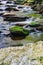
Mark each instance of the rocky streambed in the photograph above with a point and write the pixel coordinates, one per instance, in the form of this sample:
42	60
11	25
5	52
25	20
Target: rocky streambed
12	14
34	34
21	34
29	54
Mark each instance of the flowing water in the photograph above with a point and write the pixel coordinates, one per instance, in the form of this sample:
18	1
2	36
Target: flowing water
5	39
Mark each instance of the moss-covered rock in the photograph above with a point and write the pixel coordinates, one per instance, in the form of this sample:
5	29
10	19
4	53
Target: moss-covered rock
34	15
20	1
18	32
18	29
34	24
24	1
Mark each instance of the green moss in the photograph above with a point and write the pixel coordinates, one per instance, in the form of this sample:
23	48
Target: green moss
41	36
41	17
19	29
35	37
21	1
33	23
41	21
7	63
34	15
25	31
30	1
24	1
16	28
31	39
40	59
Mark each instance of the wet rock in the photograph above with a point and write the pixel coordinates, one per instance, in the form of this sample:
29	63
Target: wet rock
34	28
38	8
40	28
36	25
15	9
30	29
20	25
41	11
34	15
15	18
8	14
17	32
10	9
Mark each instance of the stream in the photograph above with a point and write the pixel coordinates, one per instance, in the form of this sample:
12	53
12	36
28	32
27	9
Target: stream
5	39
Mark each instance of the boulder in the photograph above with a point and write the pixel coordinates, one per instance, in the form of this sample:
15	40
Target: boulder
17	32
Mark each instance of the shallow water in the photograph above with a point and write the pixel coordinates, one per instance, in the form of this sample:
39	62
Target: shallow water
5	39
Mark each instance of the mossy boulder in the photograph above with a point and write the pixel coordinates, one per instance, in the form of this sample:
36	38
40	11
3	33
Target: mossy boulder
18	32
